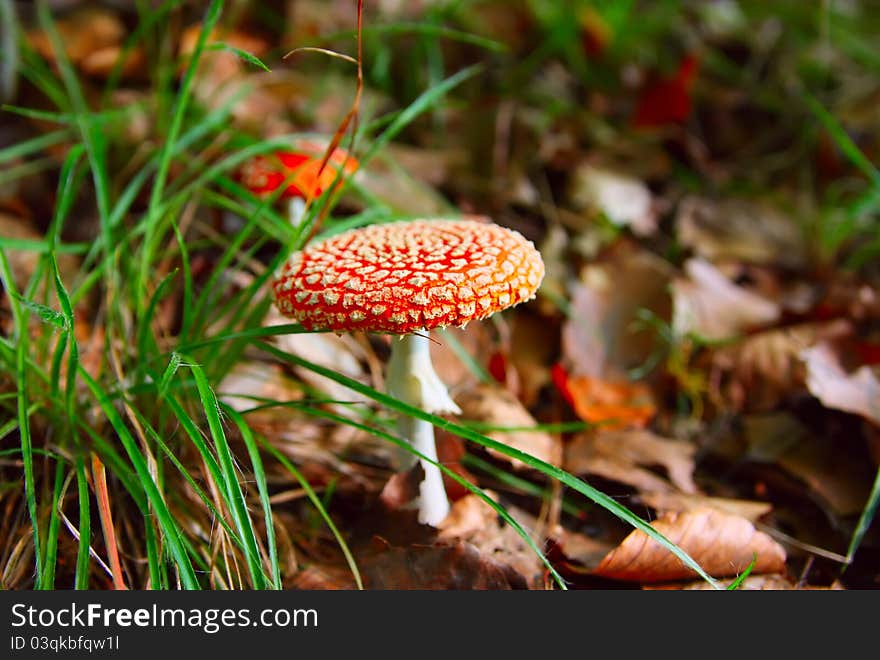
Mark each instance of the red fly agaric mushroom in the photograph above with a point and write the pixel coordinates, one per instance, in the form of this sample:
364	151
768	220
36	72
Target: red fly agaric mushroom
299	170
405	278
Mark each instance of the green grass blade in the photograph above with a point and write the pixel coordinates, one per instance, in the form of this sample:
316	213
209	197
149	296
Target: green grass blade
843	141
92	137
865	519
250	58
145	339
424	102
8	49
230	481
516	483
185	473
737	583
154	213
186	303
172	533
263	489
81	581
46	314
33	145
40	246
50	561
20	319
173	365
319	507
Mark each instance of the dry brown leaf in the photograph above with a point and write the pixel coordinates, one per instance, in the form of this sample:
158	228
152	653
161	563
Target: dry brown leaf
601	338
468	516
402	488
857	392
339	353
624	200
764	368
322	578
496	406
669	501
710	305
531	355
250	381
772	582
477	342
625	456
472	520
722	544
83	32
741	230
458	566
103	61
299	435
838	476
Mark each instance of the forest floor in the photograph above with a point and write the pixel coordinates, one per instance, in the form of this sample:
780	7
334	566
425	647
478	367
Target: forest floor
695	384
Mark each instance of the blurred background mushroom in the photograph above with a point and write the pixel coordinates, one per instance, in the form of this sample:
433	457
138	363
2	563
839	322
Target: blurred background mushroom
301	174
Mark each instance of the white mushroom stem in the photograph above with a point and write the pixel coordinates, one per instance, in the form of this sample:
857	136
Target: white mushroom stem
412	379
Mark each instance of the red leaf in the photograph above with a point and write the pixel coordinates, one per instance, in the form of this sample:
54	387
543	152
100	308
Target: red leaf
667	101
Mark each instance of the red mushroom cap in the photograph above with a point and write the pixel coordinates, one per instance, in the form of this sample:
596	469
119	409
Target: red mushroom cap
300	167
406	276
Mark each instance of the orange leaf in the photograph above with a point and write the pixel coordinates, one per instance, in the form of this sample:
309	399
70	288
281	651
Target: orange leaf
614	404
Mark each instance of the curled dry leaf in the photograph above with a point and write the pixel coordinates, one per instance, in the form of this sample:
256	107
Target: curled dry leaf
626	456
857	392
708	304
601	336
624	200
496	406
763	369
721	543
